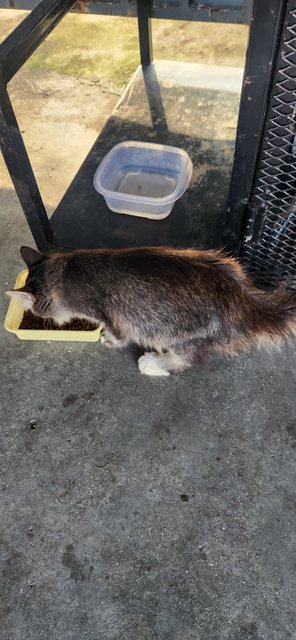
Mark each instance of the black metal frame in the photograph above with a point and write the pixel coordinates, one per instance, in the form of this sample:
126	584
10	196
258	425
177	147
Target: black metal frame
234	11
14	52
268	248
24	40
257	81
145	32
21	173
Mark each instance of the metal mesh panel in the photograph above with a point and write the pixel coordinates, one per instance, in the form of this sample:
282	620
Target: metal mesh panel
269	246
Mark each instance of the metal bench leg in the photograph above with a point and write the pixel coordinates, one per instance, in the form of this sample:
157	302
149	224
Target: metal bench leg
145	33
21	173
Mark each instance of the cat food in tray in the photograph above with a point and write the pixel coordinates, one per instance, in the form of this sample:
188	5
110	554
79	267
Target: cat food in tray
143	179
15	315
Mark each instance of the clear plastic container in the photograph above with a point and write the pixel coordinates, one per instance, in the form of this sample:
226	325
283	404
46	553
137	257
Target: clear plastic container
143	179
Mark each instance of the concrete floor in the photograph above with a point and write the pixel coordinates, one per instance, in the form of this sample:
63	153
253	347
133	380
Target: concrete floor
142	509
139	508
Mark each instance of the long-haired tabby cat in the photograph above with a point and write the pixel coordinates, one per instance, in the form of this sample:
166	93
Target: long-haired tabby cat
179	305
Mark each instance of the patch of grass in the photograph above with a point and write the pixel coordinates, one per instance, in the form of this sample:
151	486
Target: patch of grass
106	48
91	48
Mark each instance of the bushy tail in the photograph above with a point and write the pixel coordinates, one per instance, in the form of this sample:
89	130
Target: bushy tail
274	315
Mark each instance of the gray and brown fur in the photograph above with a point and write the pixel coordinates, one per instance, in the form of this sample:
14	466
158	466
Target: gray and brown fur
179	305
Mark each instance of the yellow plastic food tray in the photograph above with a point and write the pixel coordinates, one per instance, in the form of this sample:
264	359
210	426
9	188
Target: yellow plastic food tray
15	313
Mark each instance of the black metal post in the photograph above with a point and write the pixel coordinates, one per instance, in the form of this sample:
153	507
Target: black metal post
260	61
145	33
14	51
21	173
29	34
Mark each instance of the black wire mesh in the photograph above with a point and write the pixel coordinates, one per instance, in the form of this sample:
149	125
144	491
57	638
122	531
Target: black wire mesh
269	245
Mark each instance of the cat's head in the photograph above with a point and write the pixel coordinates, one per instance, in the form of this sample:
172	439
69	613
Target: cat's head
38	294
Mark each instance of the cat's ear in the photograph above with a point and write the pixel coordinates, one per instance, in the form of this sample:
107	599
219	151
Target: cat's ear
31	257
26	298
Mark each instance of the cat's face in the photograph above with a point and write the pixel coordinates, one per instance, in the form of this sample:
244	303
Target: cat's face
36	295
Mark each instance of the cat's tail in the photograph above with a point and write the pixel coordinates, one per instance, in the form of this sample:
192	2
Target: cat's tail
264	319
272	317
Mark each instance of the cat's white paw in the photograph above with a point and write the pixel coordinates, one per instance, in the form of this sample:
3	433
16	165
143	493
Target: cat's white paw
149	365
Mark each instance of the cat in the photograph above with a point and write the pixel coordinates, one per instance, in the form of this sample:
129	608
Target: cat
179	305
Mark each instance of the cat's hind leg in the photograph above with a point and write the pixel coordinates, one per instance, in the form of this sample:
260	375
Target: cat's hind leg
181	356
155	364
